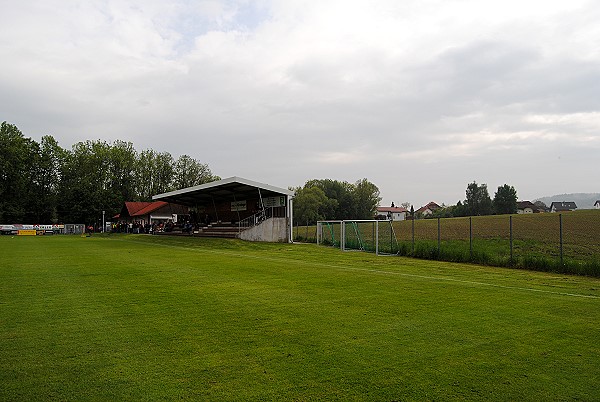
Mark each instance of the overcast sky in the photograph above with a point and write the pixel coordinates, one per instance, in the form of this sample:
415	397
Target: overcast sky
421	97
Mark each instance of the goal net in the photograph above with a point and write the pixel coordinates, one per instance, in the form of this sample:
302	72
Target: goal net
329	233
376	236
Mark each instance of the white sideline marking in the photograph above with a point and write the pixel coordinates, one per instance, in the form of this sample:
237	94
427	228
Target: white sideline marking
375	271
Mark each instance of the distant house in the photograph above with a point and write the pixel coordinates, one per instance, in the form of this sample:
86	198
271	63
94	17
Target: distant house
597	204
563	206
428	209
391	213
527	207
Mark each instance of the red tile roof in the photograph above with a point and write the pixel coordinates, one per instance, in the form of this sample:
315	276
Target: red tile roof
141	208
432	206
153	206
133	207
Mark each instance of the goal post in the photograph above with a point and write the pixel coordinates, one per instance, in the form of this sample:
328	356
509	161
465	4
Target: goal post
359	235
329	233
376	236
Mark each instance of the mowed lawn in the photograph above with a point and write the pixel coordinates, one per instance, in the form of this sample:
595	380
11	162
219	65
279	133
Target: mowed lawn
155	318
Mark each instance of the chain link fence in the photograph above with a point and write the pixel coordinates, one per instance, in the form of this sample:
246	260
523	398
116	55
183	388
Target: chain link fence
566	243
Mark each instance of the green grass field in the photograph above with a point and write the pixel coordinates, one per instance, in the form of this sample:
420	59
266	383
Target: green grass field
155	318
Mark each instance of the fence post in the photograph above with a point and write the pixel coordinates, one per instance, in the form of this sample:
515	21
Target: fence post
391	236
413	234
560	227
439	239
511	240
376	236
376	253
471	238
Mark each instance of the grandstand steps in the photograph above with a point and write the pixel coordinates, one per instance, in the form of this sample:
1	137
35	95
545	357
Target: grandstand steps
230	232
214	231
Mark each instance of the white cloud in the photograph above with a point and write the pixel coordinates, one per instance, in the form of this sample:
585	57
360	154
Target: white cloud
357	88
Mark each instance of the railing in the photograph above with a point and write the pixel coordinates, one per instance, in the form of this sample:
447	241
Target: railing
255	219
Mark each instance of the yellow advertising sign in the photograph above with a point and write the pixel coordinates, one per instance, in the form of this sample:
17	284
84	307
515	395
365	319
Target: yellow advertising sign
26	233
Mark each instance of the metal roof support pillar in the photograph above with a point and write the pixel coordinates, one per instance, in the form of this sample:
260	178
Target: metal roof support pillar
215	207
237	209
262	205
290	213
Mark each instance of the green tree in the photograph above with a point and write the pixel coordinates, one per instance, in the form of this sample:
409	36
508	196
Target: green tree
45	181
366	199
505	200
341	192
17	161
311	204
478	200
541	205
188	172
122	160
153	174
344	200
85	185
446	211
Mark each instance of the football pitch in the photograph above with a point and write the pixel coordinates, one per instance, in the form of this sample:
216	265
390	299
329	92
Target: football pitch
135	317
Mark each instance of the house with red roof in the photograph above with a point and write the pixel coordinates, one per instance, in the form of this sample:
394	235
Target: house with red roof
428	209
151	212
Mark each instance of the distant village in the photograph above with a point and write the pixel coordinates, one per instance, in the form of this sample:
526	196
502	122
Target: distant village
432	209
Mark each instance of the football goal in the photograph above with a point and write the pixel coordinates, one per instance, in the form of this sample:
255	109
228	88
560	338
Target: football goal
376	236
329	233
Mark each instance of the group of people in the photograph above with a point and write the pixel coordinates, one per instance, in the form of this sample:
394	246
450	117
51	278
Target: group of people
140	227
131	227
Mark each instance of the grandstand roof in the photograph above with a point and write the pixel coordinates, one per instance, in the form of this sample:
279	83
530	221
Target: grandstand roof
221	190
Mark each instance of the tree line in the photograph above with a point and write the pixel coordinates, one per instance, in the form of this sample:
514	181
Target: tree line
478	202
45	183
326	199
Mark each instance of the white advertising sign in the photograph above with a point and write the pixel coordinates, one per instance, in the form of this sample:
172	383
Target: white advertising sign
238	205
271	202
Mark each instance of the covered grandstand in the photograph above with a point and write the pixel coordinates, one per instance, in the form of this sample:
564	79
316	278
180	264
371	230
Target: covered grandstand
248	209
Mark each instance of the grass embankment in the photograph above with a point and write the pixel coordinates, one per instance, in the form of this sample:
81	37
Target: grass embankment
149	318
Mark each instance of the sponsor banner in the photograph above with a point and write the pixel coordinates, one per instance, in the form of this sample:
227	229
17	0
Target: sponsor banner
42	227
238	205
18	226
27	232
272	202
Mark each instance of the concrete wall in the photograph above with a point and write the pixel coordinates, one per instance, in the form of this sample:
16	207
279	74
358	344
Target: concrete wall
274	230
